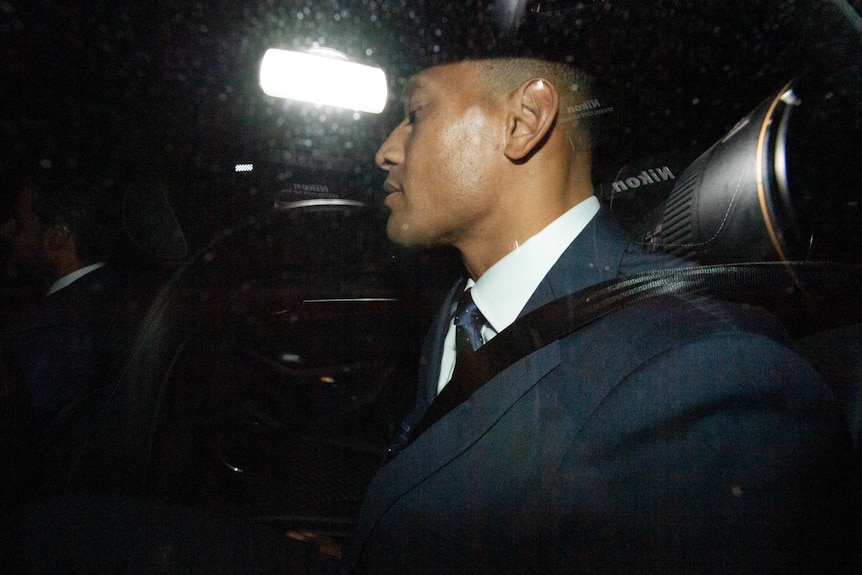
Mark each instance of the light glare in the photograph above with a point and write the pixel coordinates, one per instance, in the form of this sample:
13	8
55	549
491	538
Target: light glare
324	80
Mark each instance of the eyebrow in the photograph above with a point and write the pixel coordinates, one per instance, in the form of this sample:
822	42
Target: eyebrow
413	84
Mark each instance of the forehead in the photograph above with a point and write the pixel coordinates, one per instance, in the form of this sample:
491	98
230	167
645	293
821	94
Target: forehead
462	77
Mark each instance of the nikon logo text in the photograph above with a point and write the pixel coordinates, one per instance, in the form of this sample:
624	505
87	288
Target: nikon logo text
645	178
586	109
584	106
311	188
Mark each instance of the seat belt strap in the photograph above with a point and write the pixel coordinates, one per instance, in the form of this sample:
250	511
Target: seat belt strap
567	314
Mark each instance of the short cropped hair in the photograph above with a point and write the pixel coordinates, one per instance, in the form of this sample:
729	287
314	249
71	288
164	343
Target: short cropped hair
573	86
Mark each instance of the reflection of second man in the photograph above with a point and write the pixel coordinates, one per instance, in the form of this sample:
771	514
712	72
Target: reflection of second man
56	356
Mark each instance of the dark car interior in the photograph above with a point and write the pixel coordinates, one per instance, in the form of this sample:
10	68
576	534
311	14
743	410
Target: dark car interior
274	331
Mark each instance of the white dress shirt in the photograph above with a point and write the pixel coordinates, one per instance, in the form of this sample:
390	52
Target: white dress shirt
504	289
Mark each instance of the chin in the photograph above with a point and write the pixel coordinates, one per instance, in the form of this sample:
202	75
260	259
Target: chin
399	232
401	239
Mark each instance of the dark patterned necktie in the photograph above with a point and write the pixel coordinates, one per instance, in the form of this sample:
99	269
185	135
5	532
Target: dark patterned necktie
468	325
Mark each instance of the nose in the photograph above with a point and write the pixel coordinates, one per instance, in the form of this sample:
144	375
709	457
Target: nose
391	151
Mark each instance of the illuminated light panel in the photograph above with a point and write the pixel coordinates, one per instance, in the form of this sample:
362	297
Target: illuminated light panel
243	168
321	77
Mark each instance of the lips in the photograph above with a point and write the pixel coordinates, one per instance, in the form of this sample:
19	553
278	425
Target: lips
390	188
392	191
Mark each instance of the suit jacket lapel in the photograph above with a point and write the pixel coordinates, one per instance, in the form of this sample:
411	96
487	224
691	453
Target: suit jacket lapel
429	361
438	334
593	257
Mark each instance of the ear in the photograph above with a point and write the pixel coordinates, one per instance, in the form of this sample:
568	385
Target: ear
57	236
533	109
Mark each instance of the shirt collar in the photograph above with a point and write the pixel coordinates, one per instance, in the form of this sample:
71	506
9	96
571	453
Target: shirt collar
504	289
69	278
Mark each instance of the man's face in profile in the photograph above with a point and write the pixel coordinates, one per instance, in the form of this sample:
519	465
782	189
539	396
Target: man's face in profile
441	158
24	232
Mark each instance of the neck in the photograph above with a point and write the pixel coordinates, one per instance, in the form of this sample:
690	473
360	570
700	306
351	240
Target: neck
530	196
490	245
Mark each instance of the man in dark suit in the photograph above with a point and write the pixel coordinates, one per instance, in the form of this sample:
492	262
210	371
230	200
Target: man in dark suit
677	435
57	355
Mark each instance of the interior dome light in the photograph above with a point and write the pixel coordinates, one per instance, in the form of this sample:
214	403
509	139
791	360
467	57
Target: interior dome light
324	77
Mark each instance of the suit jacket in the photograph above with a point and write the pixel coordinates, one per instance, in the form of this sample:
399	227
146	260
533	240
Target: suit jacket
59	347
59	356
675	435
